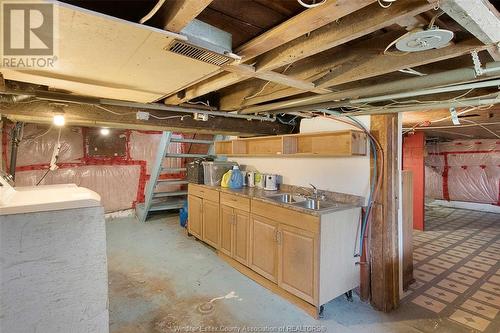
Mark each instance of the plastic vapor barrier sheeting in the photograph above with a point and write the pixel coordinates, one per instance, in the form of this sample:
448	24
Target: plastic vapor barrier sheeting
120	181
464	171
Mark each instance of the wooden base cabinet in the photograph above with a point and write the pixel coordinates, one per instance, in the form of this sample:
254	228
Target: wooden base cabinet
298	262
210	226
235	233
305	258
195	216
203	215
263	249
285	255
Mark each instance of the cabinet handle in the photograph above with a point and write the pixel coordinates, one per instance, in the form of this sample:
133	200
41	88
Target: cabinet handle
278	237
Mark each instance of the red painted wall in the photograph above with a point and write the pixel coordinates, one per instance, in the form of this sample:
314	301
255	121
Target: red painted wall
413	160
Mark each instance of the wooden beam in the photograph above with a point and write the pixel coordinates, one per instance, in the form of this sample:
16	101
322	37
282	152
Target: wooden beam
176	14
479	17
249	71
299	25
295	27
360	23
238	73
384	247
349	66
87	115
414	118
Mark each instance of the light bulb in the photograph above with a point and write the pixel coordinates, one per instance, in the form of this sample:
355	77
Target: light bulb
105	131
59	120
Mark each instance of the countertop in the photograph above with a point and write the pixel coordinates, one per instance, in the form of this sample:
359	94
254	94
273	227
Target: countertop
263	195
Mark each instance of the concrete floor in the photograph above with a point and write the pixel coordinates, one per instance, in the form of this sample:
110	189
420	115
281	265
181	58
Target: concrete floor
158	277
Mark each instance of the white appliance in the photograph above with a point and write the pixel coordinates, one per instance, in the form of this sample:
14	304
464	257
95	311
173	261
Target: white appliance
271	182
250	178
53	260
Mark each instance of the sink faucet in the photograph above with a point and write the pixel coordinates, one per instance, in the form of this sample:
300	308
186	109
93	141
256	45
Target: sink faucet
315	193
315	190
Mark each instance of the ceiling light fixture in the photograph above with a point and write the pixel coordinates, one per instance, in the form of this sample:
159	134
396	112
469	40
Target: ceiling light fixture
59	120
105	131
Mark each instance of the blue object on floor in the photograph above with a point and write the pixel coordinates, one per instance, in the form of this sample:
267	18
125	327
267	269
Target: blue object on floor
183	214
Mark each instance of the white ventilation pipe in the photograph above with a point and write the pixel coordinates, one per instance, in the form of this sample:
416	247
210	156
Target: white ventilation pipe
433	80
467	86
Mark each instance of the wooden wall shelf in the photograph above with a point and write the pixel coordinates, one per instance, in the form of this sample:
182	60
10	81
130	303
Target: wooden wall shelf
320	144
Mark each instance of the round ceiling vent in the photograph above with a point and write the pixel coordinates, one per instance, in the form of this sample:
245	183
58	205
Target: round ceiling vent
424	40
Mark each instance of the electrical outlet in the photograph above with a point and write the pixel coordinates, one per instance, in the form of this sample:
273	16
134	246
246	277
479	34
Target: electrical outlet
141	115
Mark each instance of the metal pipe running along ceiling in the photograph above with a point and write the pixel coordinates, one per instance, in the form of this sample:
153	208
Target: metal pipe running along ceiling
343	98
61	97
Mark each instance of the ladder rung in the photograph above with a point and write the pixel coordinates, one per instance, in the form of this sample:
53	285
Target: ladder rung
185	155
173	181
173	170
169	194
205	142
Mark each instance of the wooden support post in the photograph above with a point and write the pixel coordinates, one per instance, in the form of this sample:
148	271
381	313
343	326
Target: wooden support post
384	254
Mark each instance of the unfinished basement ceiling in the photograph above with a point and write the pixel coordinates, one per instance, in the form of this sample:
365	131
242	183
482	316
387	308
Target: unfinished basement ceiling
102	56
287	51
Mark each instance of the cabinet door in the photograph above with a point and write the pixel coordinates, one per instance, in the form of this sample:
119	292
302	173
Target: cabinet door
263	247
211	223
241	235
297	262
226	230
195	216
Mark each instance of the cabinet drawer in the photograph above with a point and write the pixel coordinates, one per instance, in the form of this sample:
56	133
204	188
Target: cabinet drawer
203	192
286	216
235	201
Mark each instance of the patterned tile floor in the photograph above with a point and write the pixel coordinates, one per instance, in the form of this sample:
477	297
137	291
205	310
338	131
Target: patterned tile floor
457	270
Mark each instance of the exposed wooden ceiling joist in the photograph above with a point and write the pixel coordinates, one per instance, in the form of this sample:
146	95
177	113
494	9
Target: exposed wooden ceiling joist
299	25
477	123
295	27
361	61
360	23
479	17
480	115
176	14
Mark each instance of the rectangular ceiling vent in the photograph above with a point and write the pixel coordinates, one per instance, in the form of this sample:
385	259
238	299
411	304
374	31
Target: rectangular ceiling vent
199	53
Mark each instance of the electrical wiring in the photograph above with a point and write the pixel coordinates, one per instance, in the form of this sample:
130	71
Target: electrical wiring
376	182
433	20
391	44
169	117
55	158
207	104
30	138
482	126
152	12
113	112
451	126
302	3
265	85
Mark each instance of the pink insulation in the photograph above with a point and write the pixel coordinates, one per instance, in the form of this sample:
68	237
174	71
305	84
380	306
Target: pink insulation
117	185
120	181
464	171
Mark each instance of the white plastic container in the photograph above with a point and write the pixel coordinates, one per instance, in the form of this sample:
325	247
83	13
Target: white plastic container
213	171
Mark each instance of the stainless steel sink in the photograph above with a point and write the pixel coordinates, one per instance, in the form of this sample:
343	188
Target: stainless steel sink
286	198
315	204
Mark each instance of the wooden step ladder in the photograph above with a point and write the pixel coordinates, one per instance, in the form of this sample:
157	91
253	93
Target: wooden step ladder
167	200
